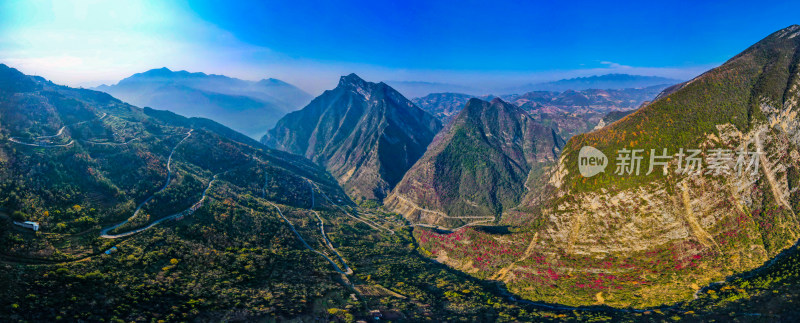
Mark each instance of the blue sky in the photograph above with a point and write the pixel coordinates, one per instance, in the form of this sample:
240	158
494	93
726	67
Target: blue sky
310	43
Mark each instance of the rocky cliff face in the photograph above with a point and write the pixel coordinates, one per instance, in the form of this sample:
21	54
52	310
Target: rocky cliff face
709	226
477	167
760	114
366	134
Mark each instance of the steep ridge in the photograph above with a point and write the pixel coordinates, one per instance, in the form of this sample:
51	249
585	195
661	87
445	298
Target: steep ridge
477	167
694	228
366	134
749	102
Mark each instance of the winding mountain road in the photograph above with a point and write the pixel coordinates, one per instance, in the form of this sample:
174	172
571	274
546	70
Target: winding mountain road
178	215
482	219
330	245
368	222
104	232
291	226
111	143
346	270
16	140
40	145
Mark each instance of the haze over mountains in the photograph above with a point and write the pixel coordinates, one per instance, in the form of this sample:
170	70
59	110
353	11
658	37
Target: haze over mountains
446	105
135	202
414	89
246	106
605	82
254	107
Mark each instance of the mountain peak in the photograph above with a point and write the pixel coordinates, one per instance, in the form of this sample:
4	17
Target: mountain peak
157	72
272	81
352	79
789	32
473	101
387	134
469	162
497	101
483	103
478	109
247	106
474	104
167	73
356	84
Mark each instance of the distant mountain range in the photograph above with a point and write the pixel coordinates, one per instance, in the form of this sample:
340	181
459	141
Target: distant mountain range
568	113
446	106
366	134
607	81
246	106
413	89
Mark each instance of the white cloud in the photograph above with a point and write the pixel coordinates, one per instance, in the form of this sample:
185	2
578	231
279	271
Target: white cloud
614	65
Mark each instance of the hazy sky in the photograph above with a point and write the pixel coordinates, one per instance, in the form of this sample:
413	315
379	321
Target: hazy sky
311	43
